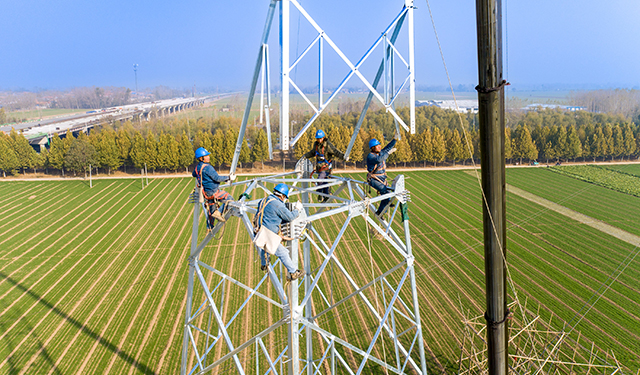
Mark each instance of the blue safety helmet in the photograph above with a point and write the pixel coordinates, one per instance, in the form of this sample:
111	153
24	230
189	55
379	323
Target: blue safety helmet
282	189
202	152
374	142
320	134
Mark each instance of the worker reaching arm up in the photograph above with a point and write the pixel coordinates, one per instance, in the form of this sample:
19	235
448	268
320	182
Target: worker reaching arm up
376	170
209	181
324	152
270	214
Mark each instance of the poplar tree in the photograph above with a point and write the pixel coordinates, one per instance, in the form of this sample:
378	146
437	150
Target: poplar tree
574	147
618	142
217	147
549	151
108	152
23	150
524	147
56	153
151	152
260	150
356	150
138	151
599	144
8	158
508	149
608	139
629	141
560	138
304	144
80	155
123	141
164	157
438	146
455	149
245	153
228	146
186	152
403	153
423	147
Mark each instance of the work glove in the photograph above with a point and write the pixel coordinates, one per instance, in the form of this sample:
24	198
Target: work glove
232	177
298	206
392	150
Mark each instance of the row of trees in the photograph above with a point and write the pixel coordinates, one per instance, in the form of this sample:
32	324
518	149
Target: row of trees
443	136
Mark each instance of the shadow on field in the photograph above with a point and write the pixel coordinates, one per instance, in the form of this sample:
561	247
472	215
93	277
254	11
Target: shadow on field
87	331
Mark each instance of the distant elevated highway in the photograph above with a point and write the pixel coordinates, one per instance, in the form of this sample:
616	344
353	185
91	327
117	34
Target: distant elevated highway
39	132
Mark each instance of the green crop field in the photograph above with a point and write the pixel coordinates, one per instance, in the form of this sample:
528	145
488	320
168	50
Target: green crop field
625	168
94	280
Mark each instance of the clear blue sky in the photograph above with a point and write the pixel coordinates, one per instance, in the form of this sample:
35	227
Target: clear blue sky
66	43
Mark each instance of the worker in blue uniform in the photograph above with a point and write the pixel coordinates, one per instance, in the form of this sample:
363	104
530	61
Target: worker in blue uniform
324	152
376	170
272	212
209	180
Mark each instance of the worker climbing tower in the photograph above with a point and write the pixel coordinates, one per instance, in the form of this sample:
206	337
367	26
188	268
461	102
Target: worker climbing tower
356	309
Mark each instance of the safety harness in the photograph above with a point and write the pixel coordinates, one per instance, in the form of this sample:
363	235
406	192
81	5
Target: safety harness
212	201
322	164
257	220
217	195
375	175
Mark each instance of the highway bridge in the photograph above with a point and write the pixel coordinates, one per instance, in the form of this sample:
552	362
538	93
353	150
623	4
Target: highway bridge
39	132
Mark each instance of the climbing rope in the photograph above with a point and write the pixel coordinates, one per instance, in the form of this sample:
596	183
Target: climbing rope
373	277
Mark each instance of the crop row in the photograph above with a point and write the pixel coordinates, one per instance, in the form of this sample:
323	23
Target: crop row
612	207
612	179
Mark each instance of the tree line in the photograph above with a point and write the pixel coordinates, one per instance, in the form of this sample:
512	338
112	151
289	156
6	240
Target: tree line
442	136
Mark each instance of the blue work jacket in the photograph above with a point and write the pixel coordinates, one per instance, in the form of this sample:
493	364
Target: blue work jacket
275	213
210	179
378	160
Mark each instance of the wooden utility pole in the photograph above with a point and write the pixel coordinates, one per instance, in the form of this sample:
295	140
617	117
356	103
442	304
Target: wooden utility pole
491	118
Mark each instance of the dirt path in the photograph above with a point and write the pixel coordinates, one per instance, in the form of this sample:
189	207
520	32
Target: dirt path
584	219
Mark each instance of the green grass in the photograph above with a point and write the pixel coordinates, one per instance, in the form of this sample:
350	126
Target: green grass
633	169
615	179
94	280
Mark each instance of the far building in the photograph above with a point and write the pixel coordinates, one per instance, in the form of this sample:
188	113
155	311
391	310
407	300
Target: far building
537	107
462	106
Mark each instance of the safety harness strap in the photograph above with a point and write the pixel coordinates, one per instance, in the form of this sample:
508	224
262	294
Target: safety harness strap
260	214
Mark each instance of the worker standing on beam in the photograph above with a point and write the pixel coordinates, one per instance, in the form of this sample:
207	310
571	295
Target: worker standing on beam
324	151
377	173
208	182
270	214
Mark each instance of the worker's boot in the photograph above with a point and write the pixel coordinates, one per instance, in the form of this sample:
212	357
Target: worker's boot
296	275
218	216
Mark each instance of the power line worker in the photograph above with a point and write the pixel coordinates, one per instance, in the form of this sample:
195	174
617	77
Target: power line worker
208	181
270	214
324	152
376	168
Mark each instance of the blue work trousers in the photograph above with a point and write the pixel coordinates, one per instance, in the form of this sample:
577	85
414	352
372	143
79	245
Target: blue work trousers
321	176
382	189
283	254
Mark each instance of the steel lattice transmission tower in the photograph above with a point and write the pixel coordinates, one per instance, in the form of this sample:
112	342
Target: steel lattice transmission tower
306	335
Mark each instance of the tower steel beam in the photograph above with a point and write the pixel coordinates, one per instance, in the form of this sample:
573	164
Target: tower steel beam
306	339
395	321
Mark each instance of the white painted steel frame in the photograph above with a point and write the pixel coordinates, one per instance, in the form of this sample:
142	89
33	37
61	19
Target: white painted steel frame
387	98
301	323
